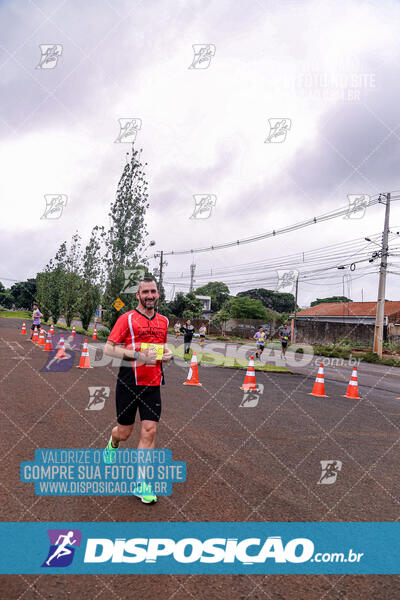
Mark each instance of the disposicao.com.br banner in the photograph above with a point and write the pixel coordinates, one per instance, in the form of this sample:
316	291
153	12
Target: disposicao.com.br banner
202	548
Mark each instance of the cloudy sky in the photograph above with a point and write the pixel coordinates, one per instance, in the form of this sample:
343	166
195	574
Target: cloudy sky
332	74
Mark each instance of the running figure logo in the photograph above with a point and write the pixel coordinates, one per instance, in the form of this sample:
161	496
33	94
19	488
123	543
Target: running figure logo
132	278
286	280
251	397
330	470
55	204
62	547
278	129
50	55
203	54
358	204
203	205
128	129
98	397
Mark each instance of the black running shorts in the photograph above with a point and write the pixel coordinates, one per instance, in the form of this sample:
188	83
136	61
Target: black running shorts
131	397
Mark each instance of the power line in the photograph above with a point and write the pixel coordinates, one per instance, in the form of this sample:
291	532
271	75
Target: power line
279	231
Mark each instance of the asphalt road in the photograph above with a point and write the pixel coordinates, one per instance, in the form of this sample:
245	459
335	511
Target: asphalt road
255	463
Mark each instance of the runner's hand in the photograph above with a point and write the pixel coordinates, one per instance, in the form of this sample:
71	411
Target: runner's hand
148	356
167	355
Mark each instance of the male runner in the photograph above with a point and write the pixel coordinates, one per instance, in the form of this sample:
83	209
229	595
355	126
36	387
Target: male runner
260	339
177	328
36	319
202	332
285	334
188	330
138	383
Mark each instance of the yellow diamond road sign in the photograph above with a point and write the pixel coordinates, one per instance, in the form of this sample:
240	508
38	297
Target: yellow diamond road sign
118	304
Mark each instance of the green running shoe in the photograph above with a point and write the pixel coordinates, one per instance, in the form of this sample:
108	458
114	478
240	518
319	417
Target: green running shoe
148	499
109	453
145	493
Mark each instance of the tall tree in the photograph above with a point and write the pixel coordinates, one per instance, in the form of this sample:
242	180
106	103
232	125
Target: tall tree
218	291
125	240
43	293
57	268
91	277
71	281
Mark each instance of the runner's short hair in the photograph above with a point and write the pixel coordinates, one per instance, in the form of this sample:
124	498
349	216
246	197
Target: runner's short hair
147	280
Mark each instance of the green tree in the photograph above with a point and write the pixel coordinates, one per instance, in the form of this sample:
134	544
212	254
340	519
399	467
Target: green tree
223	316
24	293
177	305
248	308
188	303
91	277
125	238
330	299
56	285
6	298
43	293
279	301
71	280
218	291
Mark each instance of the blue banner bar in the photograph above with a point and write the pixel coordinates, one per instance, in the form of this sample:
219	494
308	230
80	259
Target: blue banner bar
200	548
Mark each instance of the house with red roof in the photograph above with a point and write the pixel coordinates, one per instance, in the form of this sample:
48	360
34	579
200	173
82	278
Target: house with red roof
329	322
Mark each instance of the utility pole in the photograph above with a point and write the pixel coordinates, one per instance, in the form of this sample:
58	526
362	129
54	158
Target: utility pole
380	306
192	270
293	340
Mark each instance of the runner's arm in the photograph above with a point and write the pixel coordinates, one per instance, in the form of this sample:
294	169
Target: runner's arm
118	351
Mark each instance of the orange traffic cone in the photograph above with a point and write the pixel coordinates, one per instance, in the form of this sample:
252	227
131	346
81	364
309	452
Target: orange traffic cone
73	331
51	329
250	377
49	346
193	375
352	388
94	336
319	385
35	336
41	341
61	348
84	362
23	329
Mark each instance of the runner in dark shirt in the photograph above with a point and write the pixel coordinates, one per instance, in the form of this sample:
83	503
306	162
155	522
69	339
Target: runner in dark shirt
188	330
